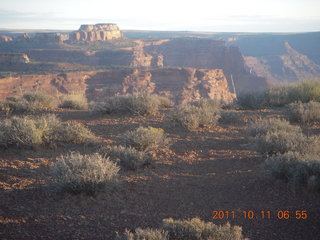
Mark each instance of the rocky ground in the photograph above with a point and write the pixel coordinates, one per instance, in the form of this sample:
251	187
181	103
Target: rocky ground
202	172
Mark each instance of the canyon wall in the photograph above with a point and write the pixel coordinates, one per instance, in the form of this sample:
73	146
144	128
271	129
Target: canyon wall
179	84
13	58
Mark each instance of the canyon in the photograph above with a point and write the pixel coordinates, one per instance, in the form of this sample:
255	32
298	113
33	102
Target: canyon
102	60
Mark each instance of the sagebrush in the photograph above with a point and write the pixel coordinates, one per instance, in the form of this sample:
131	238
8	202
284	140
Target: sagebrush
36	131
197	115
146	139
89	173
136	103
76	101
127	157
305	112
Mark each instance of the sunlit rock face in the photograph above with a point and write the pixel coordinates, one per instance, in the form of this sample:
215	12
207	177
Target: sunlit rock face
97	32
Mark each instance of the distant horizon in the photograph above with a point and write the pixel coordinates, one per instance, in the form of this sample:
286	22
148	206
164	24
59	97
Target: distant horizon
201	16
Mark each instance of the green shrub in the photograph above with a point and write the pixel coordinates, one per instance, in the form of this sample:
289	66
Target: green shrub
254	100
74	101
230	117
302	169
146	139
277	96
30	102
262	127
128	158
39	100
36	131
27	131
196	229
304	92
144	234
74	133
305	112
197	115
137	103
76	173
273	136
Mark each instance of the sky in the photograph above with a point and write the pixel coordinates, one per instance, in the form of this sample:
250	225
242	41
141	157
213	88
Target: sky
177	15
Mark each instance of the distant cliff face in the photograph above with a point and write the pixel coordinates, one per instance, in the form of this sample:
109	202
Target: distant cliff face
98	32
209	54
13	58
290	66
179	84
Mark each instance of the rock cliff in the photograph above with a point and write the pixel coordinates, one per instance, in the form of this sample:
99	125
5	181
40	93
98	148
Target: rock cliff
290	66
180	84
98	32
13	58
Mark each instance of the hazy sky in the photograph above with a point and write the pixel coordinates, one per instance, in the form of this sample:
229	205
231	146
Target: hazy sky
200	15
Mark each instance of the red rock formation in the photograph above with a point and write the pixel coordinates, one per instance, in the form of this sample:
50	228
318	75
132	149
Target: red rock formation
180	84
98	32
13	58
209	54
5	38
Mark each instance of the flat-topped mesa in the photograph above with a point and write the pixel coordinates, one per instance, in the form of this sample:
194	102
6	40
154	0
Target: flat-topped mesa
97	32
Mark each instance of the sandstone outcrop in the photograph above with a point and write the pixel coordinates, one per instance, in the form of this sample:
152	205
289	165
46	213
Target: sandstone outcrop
97	32
51	37
5	38
13	58
180	84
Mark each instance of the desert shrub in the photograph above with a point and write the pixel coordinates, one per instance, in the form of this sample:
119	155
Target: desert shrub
136	103
127	157
89	174
35	131
146	138
39	100
253	100
76	101
304	112
304	92
273	136
277	96
30	102
197	115
144	234
27	131
196	229
264	126
74	133
302	169
230	117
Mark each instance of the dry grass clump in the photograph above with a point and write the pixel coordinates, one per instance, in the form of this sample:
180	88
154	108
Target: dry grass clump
77	101
197	115
89	174
136	103
35	131
144	234
30	102
192	229
127	157
305	112
147	139
196	229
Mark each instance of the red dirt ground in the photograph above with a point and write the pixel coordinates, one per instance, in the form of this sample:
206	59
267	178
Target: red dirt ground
203	171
